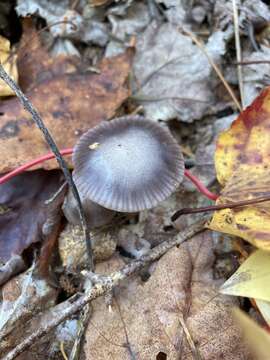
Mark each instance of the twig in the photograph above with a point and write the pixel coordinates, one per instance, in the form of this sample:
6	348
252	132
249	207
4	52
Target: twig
103	286
231	205
62	349
12	267
251	62
39	122
238	51
195	352
215	67
83	322
127	344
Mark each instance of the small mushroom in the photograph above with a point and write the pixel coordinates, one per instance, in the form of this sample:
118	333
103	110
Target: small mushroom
96	215
128	164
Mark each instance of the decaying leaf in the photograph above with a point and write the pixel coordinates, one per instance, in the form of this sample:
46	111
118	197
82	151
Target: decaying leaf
9	64
23	297
23	211
256	338
67	22
251	279
264	308
73	101
173	75
146	317
242	161
35	64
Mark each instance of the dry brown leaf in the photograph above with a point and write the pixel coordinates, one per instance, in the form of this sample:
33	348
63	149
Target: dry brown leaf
69	103
23	297
181	285
35	63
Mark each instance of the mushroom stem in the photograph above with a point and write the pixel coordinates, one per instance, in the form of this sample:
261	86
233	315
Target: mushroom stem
199	185
32	163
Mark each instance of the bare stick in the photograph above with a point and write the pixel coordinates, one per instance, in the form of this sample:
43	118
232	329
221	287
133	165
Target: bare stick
238	52
230	205
215	67
39	122
104	284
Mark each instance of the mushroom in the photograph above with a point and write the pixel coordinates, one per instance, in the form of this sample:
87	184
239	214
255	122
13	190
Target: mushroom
95	214
127	165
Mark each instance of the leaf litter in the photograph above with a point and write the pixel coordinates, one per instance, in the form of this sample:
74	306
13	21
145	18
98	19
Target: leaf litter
83	62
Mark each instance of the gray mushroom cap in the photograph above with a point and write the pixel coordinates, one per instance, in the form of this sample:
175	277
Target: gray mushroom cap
128	164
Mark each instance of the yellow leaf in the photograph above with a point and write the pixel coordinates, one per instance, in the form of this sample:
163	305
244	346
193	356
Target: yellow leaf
9	64
257	339
252	278
242	161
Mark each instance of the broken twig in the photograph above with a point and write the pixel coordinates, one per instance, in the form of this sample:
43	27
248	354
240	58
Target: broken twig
104	284
49	139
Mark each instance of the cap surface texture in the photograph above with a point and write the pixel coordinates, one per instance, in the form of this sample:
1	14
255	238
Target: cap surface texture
128	164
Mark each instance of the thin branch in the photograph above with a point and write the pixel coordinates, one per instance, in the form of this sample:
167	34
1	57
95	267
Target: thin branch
238	51
83	322
104	285
127	344
231	205
195	352
215	67
39	122
252	62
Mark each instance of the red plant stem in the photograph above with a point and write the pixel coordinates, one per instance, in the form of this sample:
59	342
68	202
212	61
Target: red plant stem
69	151
199	185
32	163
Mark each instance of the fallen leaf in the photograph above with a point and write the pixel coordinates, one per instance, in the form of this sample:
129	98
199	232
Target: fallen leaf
127	20
23	297
256	338
9	64
23	211
66	24
264	308
35	64
242	164
251	279
72	101
144	321
173	78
